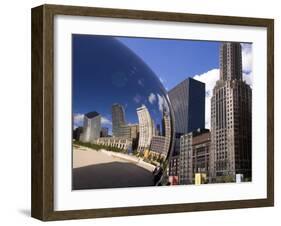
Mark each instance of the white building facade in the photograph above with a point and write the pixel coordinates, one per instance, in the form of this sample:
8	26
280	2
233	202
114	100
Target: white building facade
145	128
91	127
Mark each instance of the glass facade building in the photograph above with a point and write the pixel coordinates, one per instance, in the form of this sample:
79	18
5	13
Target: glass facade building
188	104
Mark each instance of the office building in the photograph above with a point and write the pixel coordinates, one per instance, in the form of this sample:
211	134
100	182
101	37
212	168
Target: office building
158	130
231	118
128	131
91	127
174	165
194	155
161	144
118	119
158	144
77	133
145	128
167	132
173	170
188	104
104	132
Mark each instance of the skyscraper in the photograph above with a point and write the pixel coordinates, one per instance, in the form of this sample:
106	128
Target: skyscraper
145	128
168	131
231	118
188	103
104	132
118	119
158	130
91	126
77	133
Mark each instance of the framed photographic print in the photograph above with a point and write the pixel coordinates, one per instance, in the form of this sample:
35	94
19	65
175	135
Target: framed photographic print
141	112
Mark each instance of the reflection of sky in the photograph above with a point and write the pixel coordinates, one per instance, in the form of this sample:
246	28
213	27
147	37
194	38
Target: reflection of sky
106	72
175	60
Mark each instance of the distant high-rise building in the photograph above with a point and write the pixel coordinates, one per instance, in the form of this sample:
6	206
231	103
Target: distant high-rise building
104	132
91	126
77	133
158	130
134	130
145	128
194	155
168	131
231	118
161	144
118	119
158	145
129	131
188	105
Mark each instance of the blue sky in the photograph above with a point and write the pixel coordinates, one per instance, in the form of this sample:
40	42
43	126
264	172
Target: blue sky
175	60
105	71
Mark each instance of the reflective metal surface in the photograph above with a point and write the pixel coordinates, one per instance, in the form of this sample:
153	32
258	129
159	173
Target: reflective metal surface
118	95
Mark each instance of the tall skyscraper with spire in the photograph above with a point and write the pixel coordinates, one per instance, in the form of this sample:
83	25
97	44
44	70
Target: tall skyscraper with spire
231	118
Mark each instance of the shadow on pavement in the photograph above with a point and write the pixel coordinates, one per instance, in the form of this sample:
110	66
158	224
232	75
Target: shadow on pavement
111	175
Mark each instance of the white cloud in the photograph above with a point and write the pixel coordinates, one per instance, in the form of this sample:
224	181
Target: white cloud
162	80
162	103
152	98
140	82
248	78
137	98
105	121
247	57
209	78
78	119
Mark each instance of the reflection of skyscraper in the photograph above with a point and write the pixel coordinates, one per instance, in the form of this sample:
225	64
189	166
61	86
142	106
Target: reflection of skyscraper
158	130
104	132
91	126
118	119
77	133
168	131
161	144
231	117
188	103
145	128
129	131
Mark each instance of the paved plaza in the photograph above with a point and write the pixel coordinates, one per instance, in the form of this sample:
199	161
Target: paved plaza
99	169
